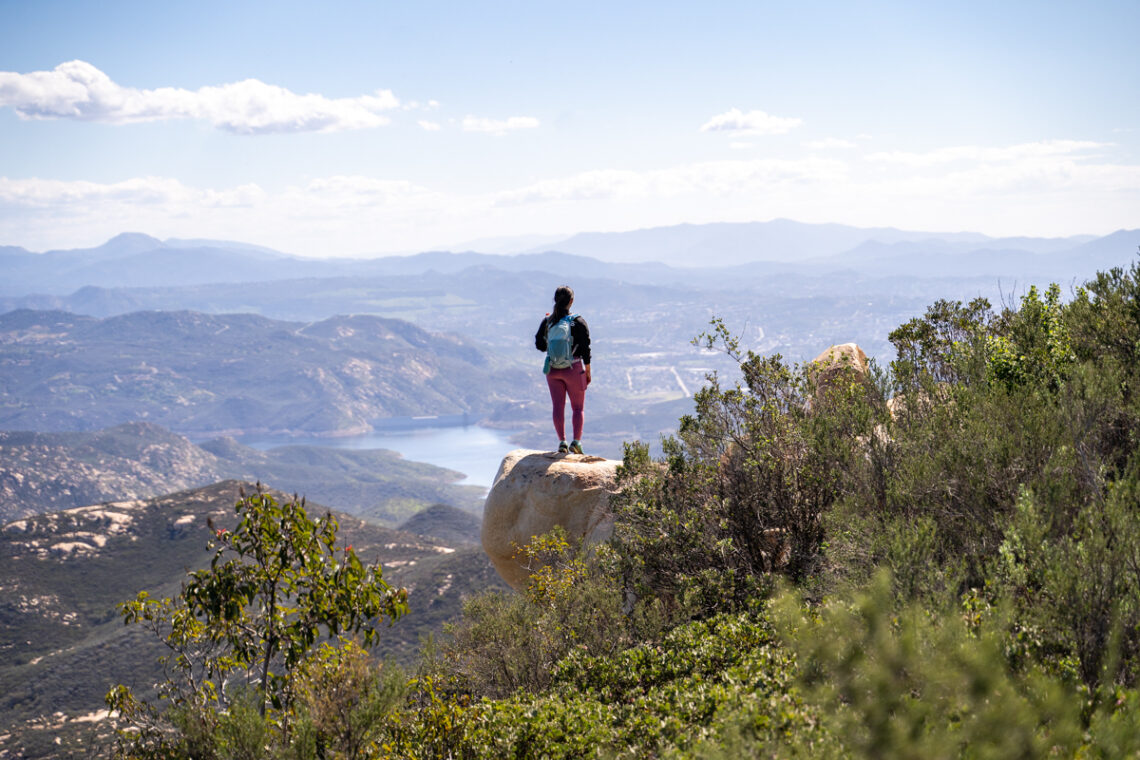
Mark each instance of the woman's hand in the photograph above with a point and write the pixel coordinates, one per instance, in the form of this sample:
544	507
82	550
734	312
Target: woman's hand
588	378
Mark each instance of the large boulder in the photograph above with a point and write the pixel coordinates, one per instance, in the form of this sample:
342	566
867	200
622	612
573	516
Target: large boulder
833	372
534	492
920	403
837	360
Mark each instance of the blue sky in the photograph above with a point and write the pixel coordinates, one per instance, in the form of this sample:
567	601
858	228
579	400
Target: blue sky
357	128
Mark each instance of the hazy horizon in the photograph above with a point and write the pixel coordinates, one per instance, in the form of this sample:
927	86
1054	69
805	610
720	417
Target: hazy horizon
354	129
518	245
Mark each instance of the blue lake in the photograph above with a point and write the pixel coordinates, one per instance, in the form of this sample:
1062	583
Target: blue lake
475	451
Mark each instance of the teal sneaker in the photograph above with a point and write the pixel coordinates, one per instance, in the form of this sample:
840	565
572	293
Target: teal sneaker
562	447
575	447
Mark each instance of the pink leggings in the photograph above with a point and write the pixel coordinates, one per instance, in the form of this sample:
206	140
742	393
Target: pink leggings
568	382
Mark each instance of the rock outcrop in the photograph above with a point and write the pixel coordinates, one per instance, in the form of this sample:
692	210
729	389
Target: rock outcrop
920	402
835	360
534	492
838	370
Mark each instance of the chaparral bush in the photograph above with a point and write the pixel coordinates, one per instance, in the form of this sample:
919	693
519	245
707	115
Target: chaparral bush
935	559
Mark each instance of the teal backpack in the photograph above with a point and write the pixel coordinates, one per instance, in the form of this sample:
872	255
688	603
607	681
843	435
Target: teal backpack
560	344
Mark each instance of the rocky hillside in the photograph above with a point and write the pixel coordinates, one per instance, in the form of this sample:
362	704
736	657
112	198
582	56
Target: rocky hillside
42	472
446	523
62	574
231	374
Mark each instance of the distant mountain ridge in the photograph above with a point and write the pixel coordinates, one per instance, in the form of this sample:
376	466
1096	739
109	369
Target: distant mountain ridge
369	286
44	472
780	240
233	374
45	278
137	260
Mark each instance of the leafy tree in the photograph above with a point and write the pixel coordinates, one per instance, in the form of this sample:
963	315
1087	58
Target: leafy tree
241	630
743	489
1105	317
1033	344
935	348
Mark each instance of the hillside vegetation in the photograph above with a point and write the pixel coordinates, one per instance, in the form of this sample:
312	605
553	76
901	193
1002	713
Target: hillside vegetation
938	559
935	559
64	645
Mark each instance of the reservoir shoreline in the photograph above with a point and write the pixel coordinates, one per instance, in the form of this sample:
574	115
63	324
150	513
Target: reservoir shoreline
470	449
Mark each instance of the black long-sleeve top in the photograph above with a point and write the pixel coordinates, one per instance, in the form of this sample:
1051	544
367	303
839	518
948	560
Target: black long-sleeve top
579	333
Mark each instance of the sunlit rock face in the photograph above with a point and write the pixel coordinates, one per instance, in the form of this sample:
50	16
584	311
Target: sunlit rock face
837	359
535	491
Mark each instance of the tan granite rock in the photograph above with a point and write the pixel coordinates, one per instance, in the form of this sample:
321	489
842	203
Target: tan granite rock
533	492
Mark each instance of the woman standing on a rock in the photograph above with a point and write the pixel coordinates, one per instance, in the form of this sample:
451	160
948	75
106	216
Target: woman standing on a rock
565	338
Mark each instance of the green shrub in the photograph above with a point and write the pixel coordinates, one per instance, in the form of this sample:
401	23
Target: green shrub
743	490
344	701
645	701
1081	589
508	642
246	628
921	683
963	567
941	346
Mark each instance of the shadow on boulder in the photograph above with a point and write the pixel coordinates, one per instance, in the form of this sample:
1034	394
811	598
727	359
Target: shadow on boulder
536	491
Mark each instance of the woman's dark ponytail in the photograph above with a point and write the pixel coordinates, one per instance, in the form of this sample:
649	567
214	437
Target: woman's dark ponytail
562	298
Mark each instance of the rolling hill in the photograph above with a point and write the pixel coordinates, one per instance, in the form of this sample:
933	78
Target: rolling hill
62	575
43	472
233	374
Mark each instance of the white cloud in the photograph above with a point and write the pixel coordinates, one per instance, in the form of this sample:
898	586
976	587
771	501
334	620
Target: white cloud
170	195
978	154
1052	188
1051	178
333	215
717	178
498	127
78	90
161	194
430	126
35	192
829	143
751	123
354	191
590	185
416	105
